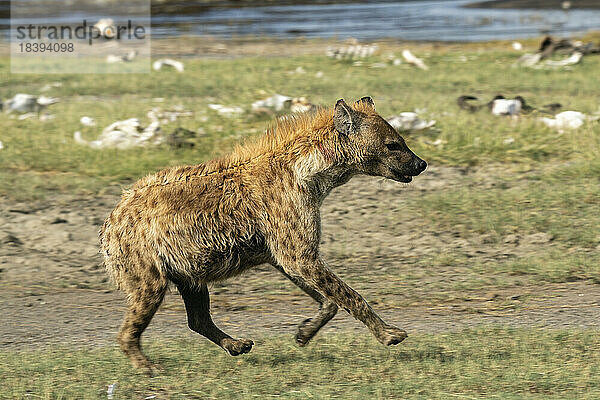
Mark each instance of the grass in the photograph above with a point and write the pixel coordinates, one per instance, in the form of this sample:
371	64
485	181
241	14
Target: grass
561	202
545	181
559	196
479	363
47	149
542	182
551	202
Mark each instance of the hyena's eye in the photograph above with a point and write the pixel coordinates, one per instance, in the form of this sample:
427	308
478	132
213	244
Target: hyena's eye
395	146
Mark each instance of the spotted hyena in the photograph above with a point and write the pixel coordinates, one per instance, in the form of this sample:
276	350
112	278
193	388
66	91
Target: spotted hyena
197	224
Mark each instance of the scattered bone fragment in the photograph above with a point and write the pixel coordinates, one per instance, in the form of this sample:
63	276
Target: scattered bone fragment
112	59
87	121
414	60
25	103
226	111
177	65
566	120
124	135
409	122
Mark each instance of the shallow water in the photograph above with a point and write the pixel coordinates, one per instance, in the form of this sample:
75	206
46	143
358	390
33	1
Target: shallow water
412	20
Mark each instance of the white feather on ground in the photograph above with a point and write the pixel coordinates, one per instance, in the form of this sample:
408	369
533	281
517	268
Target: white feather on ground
276	102
87	121
573	59
413	60
409	122
170	115
279	102
226	111
158	64
111	58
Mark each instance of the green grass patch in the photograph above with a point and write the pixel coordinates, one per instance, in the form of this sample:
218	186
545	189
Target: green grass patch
48	148
481	363
562	202
552	266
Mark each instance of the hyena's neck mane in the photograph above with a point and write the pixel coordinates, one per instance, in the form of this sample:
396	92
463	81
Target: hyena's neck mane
307	142
298	135
289	137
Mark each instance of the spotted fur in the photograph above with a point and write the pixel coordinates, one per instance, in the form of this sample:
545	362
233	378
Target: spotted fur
192	225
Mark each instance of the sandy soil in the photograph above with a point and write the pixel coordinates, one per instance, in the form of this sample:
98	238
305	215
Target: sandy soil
53	288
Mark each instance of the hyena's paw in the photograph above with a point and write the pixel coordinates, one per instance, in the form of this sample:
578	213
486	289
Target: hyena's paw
391	335
306	331
235	347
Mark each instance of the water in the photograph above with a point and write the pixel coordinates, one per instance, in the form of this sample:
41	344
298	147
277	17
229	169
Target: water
411	20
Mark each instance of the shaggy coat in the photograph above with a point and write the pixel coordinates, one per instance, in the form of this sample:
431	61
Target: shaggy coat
192	225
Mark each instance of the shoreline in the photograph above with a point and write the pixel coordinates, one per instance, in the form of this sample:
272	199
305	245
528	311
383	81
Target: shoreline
168	7
253	46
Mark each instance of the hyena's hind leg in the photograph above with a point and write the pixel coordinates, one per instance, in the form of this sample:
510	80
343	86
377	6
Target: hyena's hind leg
327	310
144	297
197	306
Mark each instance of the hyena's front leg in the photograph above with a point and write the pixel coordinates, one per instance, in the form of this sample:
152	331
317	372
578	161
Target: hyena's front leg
293	240
327	310
197	306
314	271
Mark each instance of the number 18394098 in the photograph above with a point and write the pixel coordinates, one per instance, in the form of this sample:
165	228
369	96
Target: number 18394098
43	47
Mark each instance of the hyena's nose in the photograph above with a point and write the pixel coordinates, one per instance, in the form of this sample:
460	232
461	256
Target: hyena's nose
420	165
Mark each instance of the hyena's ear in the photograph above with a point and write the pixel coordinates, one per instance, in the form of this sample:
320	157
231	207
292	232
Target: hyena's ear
345	119
367	100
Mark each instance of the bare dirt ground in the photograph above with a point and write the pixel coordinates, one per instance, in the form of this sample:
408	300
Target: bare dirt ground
53	288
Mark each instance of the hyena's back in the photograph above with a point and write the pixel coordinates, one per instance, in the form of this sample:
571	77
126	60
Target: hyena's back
191	225
184	224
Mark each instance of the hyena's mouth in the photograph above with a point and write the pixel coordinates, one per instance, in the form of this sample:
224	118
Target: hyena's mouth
401	177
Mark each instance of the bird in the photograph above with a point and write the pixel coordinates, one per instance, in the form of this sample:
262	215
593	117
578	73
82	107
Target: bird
500	105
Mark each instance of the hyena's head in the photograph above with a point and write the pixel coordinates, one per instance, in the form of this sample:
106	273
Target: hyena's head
375	148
